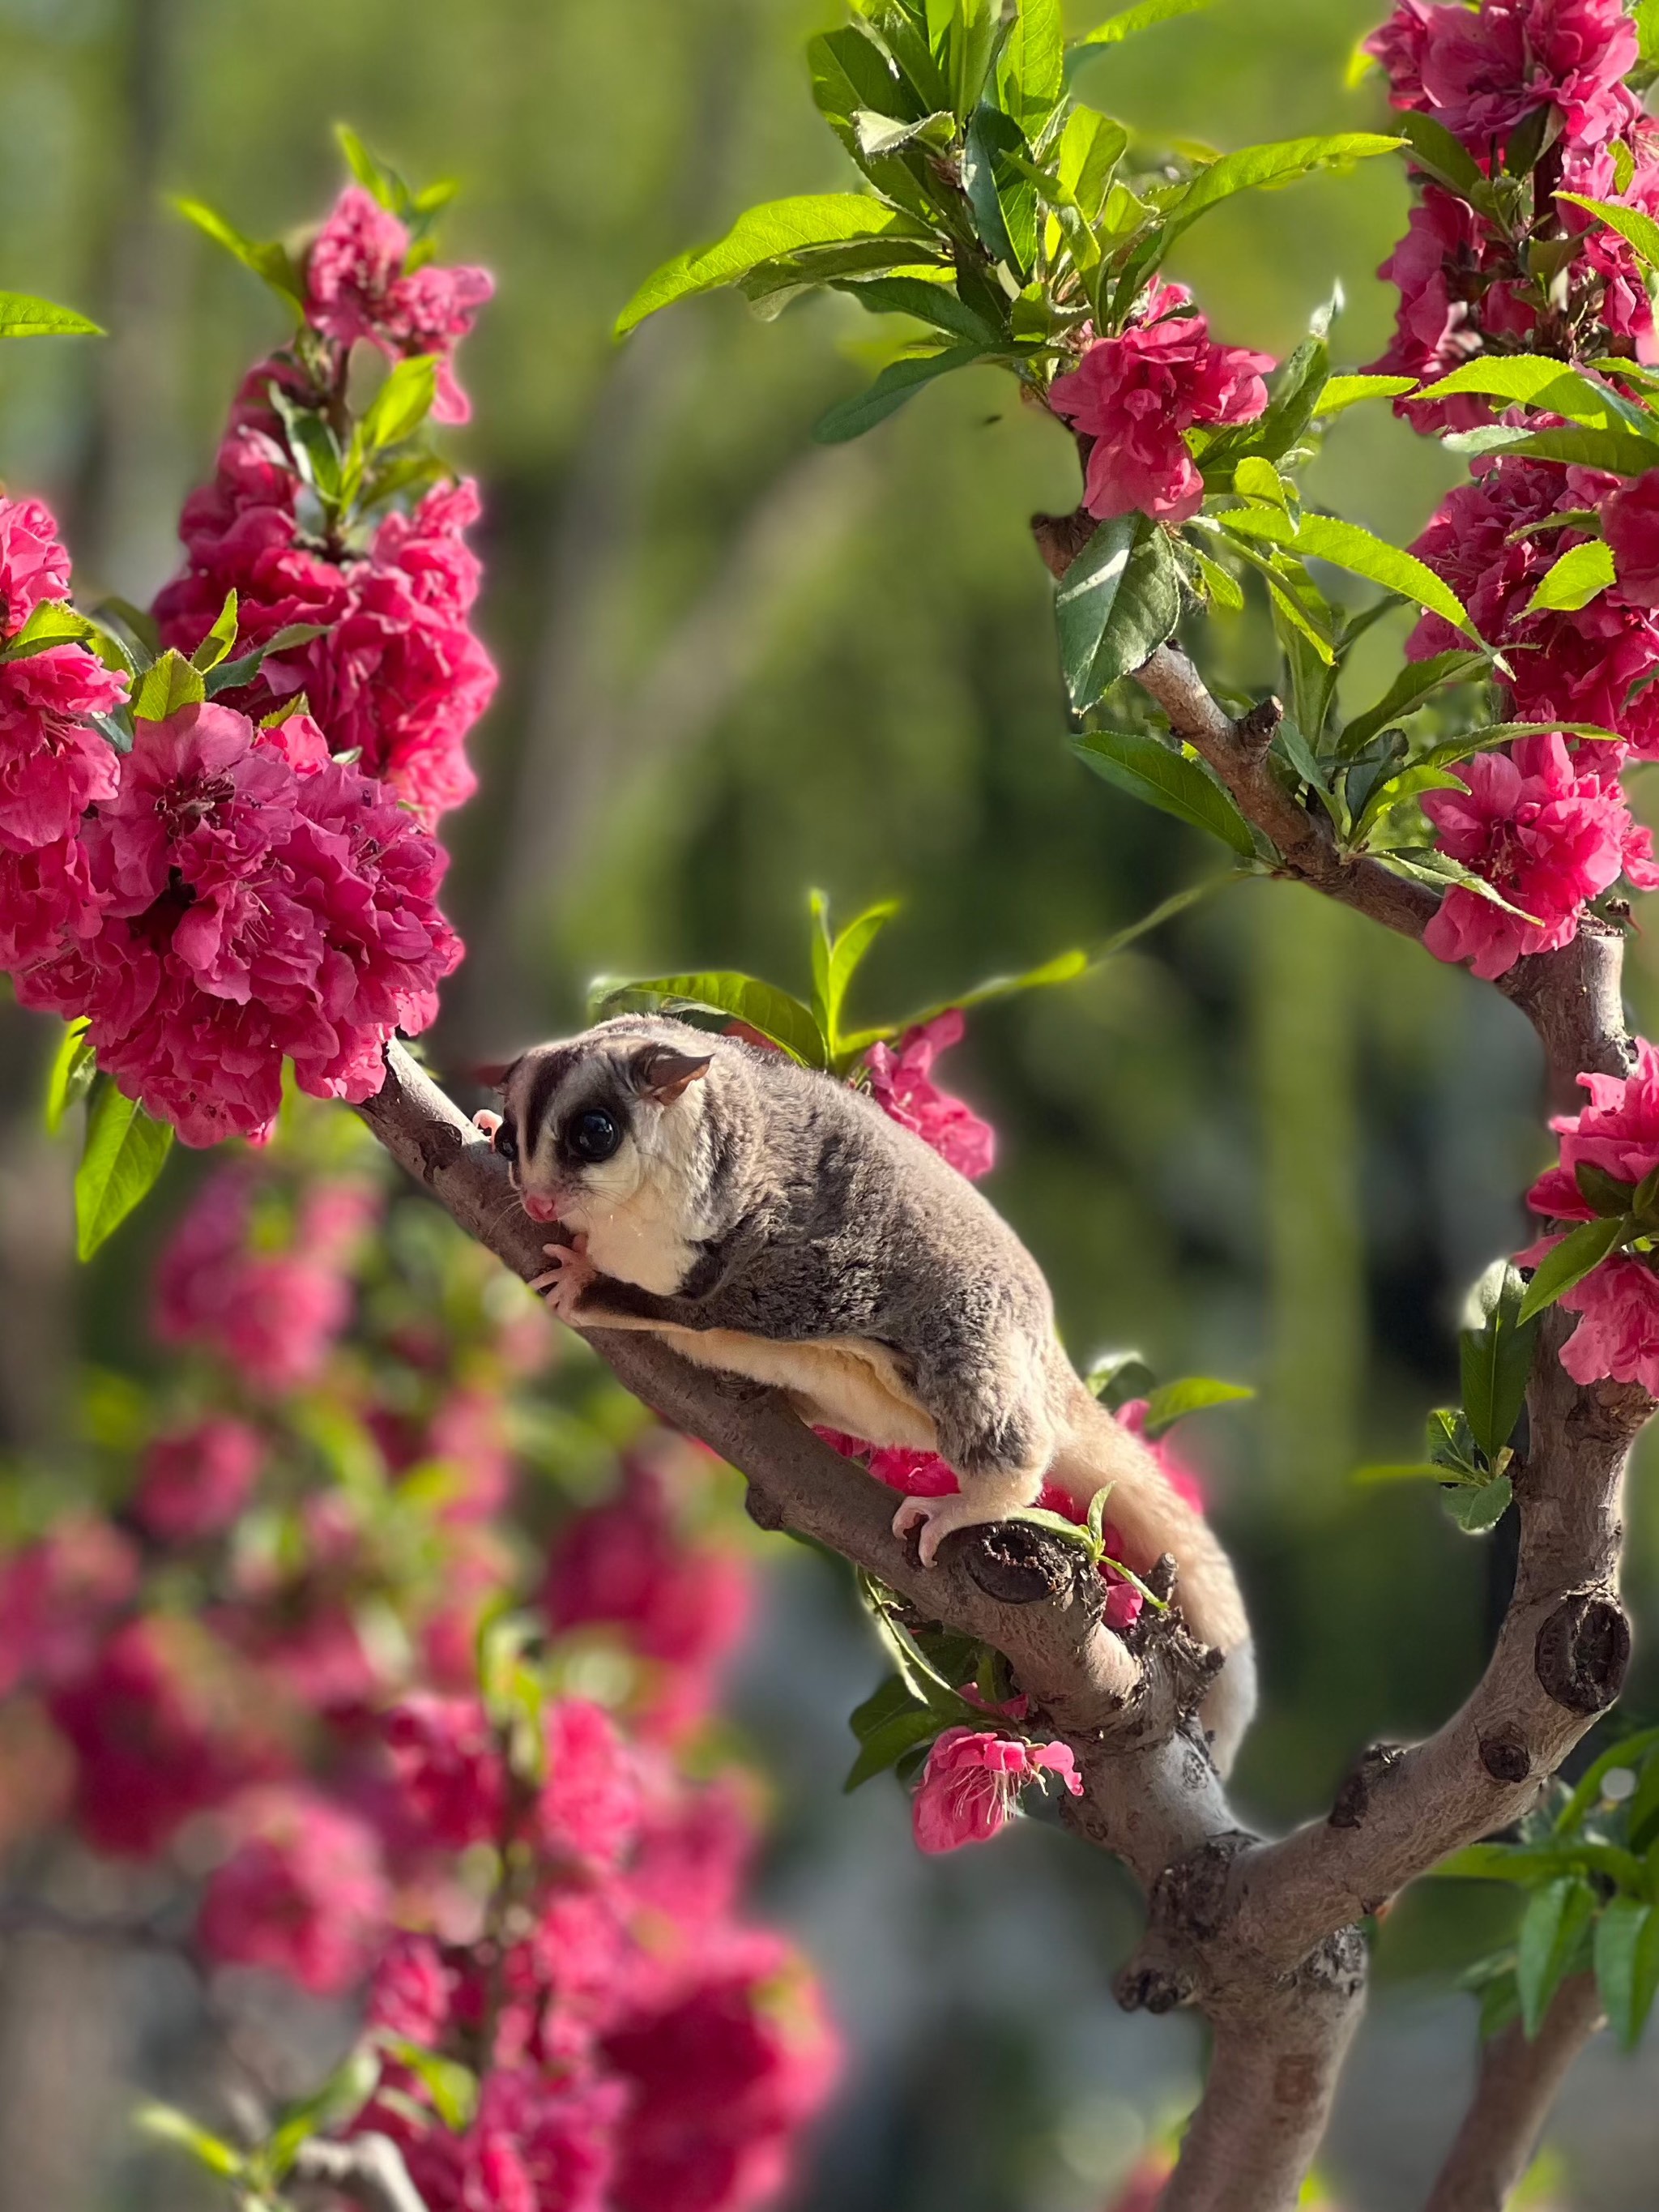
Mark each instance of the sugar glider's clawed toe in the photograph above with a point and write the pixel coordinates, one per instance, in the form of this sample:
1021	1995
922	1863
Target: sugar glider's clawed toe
934	1518
486	1123
567	1278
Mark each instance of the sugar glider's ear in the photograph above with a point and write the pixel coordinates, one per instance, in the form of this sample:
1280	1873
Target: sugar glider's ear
661	1074
495	1074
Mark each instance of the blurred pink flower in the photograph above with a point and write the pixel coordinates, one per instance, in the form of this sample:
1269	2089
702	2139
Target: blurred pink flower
196	1482
900	1083
58	1597
303	1893
971	1783
1135	395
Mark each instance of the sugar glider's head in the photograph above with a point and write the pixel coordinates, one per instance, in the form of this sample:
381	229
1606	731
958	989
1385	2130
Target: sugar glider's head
593	1126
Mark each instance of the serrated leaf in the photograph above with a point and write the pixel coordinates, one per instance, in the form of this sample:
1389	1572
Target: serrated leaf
23	316
52	623
1550	1928
1031	73
1568	1262
1117	603
1344	391
403	402
167	685
1163	778
123	1154
760	234
1129	23
1617	451
1476	1508
1534	380
1496	1358
217	642
1637	229
1192	1393
929	303
1000	192
1346	545
1626	1957
268	259
899	381
1394	790
782	1019
1259	168
1416	683
1064	968
849	72
73	1067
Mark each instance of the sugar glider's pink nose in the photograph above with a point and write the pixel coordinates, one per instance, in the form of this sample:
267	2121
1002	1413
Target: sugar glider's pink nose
540	1207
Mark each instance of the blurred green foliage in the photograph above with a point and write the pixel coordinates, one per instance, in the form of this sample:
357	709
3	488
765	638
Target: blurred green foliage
1265	1142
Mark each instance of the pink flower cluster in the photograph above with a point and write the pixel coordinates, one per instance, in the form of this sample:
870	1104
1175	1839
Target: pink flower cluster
359	285
1618	1303
1567	285
970	1786
271	1312
53	764
1135	396
1545	823
901	1083
397	675
256	900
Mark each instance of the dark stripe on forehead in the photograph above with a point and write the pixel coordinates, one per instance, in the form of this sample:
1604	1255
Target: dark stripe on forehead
550	1071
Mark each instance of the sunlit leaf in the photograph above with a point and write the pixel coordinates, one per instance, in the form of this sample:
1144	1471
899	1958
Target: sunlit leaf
1166	779
1568	1262
1173	1402
1496	1357
899	381
123	1154
1550	1928
761	1007
73	1067
1117	603
1626	1957
760	234
23	316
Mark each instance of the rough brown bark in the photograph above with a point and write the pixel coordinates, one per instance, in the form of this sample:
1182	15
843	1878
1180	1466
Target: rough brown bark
1519	2081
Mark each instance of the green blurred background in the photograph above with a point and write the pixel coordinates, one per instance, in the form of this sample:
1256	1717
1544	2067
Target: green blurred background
1269	1144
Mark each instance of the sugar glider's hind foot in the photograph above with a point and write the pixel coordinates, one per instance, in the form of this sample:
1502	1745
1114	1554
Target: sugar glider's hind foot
934	1518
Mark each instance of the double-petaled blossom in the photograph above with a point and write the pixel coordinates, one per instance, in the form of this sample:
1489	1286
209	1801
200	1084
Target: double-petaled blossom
303	1891
273	1313
194	1482
970	1786
1618	1301
1134	396
1464	280
259	902
901	1083
53	764
359	286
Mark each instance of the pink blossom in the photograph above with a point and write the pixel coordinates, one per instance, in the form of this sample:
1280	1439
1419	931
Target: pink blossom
539	2143
1617	1334
1135	395
412	1992
359	287
1481	71
34	563
46	899
58	1597
1545	837
53	765
449	1769
303	1894
1618	1131
589	1806
154	1737
272	1314
971	1783
722	2076
900	1083
196	1482
1630	523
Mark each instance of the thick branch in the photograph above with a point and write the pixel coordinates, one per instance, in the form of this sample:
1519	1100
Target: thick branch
1519	2082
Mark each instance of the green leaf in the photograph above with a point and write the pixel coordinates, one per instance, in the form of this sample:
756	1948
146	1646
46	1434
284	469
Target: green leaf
929	303
385	183
53	623
1532	380
1090	148
168	2124
1602	1192
1496	1357
453	2087
1117	603
1627	1965
760	234
403	402
1116	1378
1478	1507
1628	1751
1618	451
327	2112
1445	158
883	1747
1030	75
784	1020
1346	545
899	381
73	1067
837	959
269	259
1343	392
23	316
231	675
1409	1470
1254	168
1416	683
1129	23
165	686
849	72
215	646
1572	1258
1637	229
1157	774
1550	1930
1064	968
123	1154
1294	401
1173	1402
1002	196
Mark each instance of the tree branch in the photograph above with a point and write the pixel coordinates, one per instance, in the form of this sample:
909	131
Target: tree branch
368	2169
1519	2082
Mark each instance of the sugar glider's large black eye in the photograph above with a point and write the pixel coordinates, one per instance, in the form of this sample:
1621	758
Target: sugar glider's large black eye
593	1136
506	1143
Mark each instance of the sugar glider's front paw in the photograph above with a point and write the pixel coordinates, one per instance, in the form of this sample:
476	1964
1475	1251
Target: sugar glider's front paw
566	1280
935	1517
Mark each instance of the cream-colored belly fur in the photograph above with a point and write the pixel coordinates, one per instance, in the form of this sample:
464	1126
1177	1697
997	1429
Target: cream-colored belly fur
844	1382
